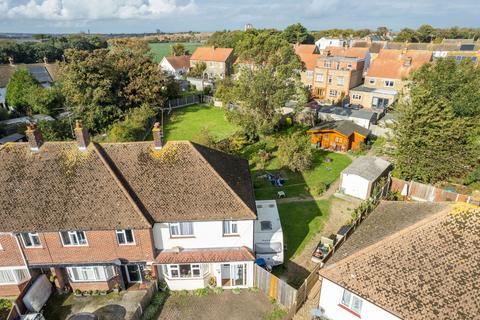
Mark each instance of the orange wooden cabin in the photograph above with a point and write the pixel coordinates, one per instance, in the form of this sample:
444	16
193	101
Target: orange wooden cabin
338	135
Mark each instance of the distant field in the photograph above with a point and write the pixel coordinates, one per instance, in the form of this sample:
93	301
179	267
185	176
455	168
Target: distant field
160	50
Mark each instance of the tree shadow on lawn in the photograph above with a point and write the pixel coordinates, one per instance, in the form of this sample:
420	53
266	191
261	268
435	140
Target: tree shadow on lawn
58	306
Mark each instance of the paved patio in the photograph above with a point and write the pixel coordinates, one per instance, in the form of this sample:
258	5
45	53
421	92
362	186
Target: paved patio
113	306
244	306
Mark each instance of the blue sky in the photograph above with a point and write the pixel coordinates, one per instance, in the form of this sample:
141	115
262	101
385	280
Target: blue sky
115	16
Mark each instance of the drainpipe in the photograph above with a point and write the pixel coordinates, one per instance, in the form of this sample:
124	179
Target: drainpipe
15	235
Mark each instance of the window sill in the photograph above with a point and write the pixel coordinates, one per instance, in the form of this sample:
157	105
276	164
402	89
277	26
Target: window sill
233	235
349	310
127	244
39	247
182	237
75	245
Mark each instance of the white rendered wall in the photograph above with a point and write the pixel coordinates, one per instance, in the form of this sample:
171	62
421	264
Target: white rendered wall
354	186
331	296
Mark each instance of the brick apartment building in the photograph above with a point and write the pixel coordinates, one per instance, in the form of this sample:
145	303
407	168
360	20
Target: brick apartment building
219	61
100	215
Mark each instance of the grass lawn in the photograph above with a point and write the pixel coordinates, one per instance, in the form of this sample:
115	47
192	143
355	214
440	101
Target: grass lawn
160	50
300	222
188	122
297	184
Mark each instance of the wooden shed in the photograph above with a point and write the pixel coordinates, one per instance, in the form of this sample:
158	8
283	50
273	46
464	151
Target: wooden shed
338	135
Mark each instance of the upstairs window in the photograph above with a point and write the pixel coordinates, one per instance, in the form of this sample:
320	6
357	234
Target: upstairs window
31	240
73	238
356	96
125	237
352	302
309	73
371	81
389	83
319	77
340	81
230	227
327	64
179	229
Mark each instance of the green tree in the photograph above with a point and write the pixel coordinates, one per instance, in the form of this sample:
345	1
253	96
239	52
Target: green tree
295	152
407	34
58	130
19	87
436	137
198	69
178	49
296	33
426	33
134	126
260	92
382	31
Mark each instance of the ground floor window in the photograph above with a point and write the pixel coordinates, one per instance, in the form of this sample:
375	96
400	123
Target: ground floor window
381	103
91	273
356	96
13	275
187	270
234	274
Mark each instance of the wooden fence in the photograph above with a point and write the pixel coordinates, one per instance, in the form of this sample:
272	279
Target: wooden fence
183	101
423	192
274	287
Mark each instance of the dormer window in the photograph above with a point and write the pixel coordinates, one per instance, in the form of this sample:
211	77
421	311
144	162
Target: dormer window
73	238
31	240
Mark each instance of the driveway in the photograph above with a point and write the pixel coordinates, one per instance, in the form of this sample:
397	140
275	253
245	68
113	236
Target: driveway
244	306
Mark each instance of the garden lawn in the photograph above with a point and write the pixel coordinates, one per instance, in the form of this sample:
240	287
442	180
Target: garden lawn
188	122
160	50
300	184
301	220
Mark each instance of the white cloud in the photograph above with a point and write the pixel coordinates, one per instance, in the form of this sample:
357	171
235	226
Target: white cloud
65	10
322	7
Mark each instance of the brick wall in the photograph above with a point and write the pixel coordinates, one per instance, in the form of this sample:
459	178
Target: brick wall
98	285
102	246
9	253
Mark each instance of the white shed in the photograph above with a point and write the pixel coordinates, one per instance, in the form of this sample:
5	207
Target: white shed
359	178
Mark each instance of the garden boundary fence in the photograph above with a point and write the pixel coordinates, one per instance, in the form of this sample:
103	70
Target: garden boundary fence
183	101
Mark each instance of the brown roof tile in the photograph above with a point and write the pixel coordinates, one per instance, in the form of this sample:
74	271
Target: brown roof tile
179	62
352	52
61	188
185	181
305	48
391	63
309	60
205	255
428	270
212	54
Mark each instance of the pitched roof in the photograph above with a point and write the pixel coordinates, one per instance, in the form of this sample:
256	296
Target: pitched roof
309	59
123	185
184	181
179	62
205	255
305	48
212	54
428	270
369	168
352	52
61	188
388	218
396	64
40	71
345	127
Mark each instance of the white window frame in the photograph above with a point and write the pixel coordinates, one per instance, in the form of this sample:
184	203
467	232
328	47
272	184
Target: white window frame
15	275
389	83
107	273
124	233
31	236
335	92
228	226
356	96
201	268
351	302
327	64
309	74
178	226
342	82
71	235
319	77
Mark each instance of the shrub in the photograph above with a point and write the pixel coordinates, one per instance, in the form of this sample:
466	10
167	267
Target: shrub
217	290
153	309
236	291
295	152
201	292
473	177
319	189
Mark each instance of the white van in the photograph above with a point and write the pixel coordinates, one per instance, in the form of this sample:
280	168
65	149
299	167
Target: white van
268	234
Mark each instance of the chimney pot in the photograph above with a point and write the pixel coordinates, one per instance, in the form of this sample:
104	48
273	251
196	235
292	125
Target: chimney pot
81	135
34	136
157	136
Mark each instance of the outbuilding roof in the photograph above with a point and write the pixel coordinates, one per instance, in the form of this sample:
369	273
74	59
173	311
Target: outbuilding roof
367	167
348	112
345	127
427	270
205	255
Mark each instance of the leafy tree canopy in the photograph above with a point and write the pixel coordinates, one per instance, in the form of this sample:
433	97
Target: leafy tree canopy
134	126
178	49
295	152
436	137
296	33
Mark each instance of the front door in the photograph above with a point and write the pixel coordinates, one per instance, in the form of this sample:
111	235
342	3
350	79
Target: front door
133	273
234	274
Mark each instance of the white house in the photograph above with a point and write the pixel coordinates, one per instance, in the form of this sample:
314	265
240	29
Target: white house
406	260
360	177
324	42
176	65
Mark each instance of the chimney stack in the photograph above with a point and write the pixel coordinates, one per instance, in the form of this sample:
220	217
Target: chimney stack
82	136
157	136
34	136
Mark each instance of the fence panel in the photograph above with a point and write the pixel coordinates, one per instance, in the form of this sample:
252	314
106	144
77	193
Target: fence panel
274	287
